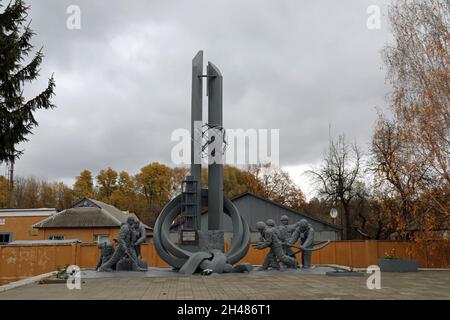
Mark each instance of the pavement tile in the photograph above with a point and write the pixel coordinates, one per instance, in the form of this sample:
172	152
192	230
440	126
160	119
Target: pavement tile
420	285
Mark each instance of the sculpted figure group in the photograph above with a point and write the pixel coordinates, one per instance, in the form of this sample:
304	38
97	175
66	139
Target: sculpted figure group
281	239
127	252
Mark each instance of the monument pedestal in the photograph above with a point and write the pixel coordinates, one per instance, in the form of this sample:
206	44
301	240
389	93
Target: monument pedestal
207	241
214	239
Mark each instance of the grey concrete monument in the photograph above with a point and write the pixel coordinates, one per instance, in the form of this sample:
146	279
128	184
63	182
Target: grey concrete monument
270	239
304	233
140	237
106	252
203	251
282	239
124	256
285	231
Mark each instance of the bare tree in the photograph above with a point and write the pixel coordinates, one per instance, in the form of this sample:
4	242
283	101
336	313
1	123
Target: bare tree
337	176
273	183
411	152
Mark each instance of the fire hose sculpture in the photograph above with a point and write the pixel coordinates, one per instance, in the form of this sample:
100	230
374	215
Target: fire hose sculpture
282	239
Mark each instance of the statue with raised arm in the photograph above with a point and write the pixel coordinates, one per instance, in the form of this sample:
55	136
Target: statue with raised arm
305	234
269	239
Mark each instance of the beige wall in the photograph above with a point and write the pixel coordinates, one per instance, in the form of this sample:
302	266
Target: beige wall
21	227
85	234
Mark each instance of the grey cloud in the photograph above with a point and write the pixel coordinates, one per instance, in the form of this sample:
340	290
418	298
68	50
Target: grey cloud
123	80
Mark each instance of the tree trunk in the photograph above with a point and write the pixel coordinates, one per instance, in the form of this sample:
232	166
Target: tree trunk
11	185
347	227
379	229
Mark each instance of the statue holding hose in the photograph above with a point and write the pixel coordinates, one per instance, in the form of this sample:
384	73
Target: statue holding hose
305	234
269	239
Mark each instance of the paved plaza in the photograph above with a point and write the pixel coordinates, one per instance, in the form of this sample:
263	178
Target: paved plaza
253	285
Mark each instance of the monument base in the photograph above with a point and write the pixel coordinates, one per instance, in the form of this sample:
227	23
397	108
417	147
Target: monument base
211	239
207	241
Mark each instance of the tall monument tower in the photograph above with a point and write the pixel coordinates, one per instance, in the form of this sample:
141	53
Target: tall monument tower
203	247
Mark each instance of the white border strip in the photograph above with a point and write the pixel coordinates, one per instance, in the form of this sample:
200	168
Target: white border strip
26	214
26	281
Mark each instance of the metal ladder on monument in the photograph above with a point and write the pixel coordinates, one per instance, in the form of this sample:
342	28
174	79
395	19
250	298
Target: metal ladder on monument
189	204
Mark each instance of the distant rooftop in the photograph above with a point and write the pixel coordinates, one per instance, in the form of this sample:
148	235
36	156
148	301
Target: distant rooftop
27	212
40	242
86	213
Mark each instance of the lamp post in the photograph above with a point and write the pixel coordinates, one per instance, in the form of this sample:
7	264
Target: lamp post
333	214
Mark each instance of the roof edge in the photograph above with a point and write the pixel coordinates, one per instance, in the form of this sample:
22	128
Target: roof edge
285	207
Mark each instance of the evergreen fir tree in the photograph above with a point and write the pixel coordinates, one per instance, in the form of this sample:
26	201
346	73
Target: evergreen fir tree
16	113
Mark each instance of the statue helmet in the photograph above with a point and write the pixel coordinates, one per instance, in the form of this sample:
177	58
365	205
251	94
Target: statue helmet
270	222
260	225
303	224
284	218
130	220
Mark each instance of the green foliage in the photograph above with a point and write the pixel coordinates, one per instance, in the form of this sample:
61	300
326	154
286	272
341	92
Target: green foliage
61	272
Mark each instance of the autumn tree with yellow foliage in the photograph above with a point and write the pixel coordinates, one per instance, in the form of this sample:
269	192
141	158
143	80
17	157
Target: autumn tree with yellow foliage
106	183
83	186
411	151
4	192
154	183
147	192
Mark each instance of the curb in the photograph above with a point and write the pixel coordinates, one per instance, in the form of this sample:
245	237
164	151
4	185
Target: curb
26	281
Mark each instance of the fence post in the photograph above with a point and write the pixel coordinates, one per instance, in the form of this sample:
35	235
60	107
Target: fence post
74	259
371	252
335	253
1	259
352	263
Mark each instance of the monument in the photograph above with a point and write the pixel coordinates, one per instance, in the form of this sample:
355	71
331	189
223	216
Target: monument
124	256
203	250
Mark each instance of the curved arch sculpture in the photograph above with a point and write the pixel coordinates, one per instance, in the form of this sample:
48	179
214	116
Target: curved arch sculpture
187	261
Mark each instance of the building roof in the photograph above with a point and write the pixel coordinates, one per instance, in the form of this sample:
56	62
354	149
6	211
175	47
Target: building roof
36	212
113	211
86	213
301	215
286	208
41	242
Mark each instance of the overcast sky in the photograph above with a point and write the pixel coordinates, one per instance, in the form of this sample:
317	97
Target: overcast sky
123	80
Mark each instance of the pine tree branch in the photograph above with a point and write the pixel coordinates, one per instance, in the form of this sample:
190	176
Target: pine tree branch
42	101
